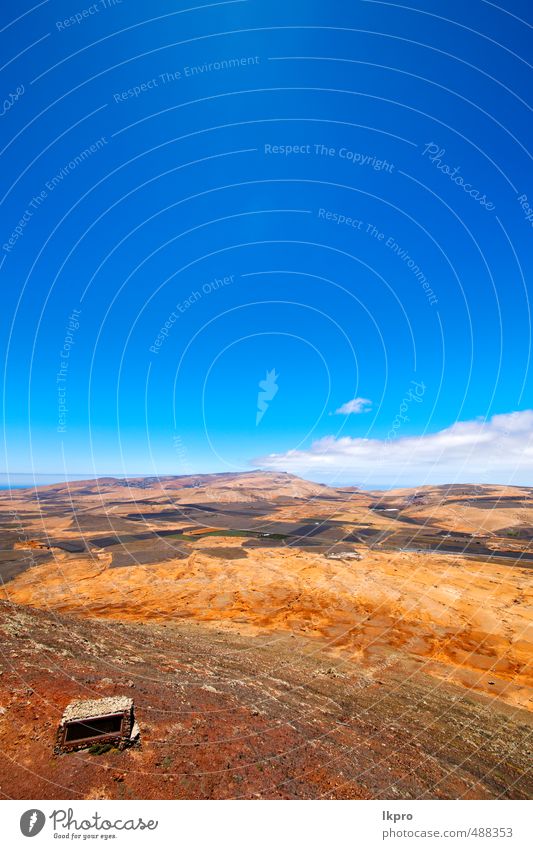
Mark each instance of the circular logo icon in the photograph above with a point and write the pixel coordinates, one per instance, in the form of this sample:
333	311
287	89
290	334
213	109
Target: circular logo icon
32	822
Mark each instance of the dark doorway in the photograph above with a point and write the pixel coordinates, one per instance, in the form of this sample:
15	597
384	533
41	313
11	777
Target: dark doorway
101	726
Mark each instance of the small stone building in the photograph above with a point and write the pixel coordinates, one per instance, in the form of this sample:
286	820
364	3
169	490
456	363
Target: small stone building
97	722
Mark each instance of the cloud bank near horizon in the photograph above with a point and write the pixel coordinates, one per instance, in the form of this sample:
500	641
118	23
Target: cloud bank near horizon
498	450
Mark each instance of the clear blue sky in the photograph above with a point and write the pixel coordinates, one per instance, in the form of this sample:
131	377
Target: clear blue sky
230	143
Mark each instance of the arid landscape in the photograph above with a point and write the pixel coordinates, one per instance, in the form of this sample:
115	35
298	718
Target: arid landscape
280	638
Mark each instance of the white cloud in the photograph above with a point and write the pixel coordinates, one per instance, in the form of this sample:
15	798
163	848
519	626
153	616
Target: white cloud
356	405
499	450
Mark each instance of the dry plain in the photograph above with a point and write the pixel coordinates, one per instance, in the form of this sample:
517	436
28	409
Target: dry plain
281	639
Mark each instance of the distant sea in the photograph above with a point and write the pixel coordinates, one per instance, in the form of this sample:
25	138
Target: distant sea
24	481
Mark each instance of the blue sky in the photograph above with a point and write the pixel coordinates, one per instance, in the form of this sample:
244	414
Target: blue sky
335	194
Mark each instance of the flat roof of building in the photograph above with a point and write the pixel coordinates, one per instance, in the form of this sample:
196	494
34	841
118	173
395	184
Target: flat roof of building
92	708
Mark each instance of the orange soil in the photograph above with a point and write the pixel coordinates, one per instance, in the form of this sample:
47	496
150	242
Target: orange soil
467	620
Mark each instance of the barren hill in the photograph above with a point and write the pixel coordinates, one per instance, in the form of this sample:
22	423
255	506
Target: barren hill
224	715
